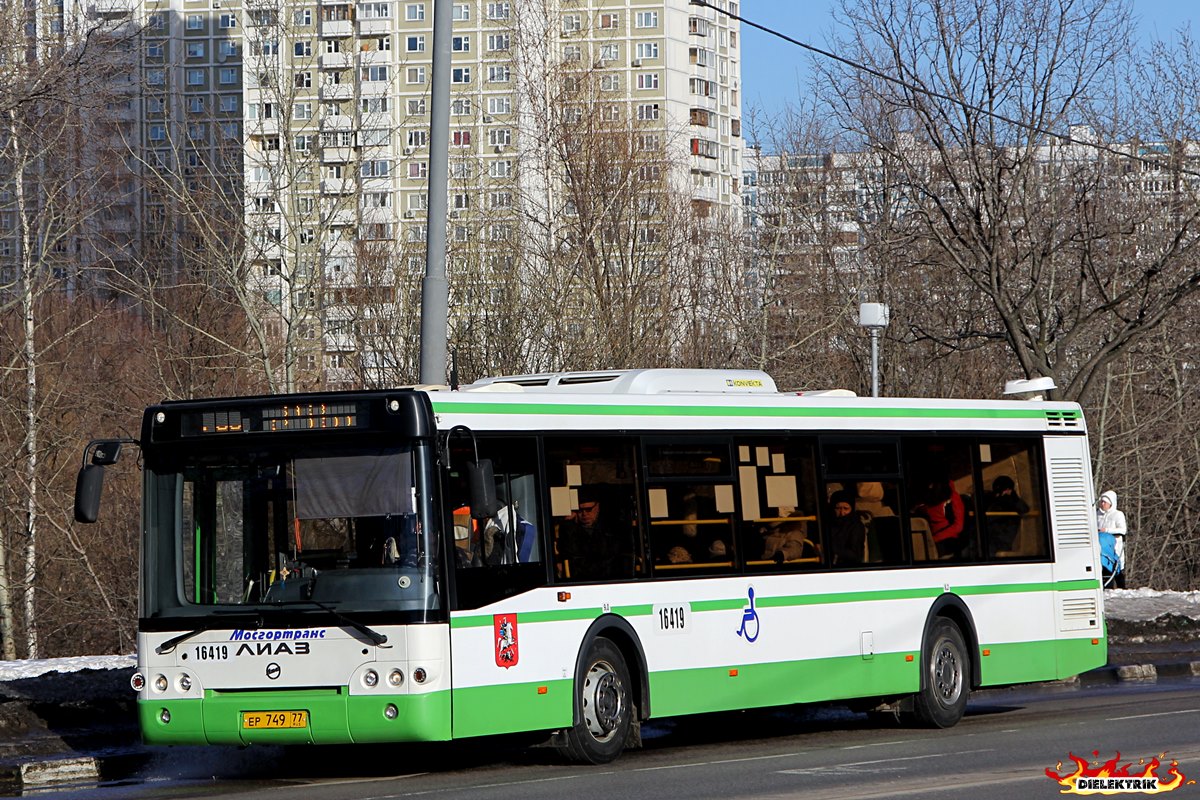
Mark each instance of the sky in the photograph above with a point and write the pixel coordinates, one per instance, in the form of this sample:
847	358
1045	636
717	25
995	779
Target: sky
773	71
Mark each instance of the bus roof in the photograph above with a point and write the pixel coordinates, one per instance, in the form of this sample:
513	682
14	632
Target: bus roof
721	400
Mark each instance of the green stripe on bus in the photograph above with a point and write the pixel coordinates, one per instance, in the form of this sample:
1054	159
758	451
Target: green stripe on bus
580	409
828	598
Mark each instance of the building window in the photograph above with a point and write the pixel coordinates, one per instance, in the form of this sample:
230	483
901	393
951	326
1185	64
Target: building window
610	83
646	19
374	73
156	77
303	80
462	11
374	105
195	77
460	108
196	105
610	21
571	23
418	138
302	111
302	48
416	107
500	169
227	48
647	111
302	17
647	50
229	103
415	75
647	80
572	52
499	137
497	42
418	170
195	50
499	105
414	12
498	74
461	44
610	52
195	22
414	44
460	75
377	10
158	133
228	21
460	138
380	168
498	10
228	75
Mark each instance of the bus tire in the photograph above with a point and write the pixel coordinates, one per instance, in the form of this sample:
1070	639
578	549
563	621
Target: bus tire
603	706
946	677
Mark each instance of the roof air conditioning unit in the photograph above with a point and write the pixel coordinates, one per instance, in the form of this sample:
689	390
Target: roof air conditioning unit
637	62
487	120
408	151
408	215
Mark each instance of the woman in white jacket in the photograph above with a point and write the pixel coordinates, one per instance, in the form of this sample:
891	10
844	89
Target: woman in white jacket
1110	520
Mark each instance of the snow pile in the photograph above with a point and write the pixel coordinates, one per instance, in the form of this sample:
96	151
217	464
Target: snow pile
1147	605
31	668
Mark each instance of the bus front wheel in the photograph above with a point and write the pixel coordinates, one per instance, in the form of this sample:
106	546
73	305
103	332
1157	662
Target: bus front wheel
946	677
603	706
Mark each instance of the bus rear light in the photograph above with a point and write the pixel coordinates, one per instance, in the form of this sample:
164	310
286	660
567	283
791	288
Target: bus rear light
419	675
564	597
396	677
137	681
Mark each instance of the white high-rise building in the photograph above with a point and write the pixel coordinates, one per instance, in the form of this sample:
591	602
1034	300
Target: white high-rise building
313	116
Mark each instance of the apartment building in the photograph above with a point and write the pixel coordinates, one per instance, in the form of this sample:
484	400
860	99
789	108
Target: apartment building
311	118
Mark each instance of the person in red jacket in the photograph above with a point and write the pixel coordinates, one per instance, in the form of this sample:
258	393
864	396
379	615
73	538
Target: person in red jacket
943	507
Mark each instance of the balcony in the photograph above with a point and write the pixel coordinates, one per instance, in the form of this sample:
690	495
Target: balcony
338	186
374	27
336	155
336	29
336	91
336	60
336	122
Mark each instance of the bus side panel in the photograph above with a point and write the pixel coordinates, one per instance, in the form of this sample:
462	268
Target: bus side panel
528	689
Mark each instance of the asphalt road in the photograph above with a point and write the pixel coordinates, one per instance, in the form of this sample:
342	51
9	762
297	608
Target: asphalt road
1000	750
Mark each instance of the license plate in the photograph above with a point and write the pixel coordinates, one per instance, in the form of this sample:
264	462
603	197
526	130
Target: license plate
262	720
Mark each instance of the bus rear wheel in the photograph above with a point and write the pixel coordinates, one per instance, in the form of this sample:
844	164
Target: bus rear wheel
946	674
603	706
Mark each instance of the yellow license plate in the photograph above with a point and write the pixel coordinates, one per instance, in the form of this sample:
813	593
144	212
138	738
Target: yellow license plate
263	720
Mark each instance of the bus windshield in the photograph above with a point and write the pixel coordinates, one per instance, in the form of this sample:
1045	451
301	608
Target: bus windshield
335	528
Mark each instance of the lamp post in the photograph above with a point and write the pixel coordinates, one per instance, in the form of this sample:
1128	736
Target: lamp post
873	317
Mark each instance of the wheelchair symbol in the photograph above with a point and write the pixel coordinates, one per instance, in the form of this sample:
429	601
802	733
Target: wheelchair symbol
749	627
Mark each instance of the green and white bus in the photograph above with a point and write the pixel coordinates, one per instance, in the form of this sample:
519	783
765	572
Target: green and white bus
576	553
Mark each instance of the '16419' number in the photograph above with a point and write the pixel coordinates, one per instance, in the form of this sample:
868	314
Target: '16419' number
671	619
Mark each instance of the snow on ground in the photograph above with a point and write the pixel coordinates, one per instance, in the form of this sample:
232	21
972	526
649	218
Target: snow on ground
1131	605
31	668
1144	605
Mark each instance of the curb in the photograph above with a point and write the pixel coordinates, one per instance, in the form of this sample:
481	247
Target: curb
50	772
1138	673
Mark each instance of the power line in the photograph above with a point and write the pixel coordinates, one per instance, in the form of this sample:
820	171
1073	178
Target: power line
938	95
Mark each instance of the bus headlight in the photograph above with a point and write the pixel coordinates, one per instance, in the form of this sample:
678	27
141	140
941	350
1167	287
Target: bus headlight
396	677
164	716
371	678
391	712
185	683
160	683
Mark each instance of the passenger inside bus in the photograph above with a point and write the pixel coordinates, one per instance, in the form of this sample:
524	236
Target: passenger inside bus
590	542
847	535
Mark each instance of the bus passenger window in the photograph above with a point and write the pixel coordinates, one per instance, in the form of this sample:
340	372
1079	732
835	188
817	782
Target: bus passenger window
941	494
778	492
1014	525
593	509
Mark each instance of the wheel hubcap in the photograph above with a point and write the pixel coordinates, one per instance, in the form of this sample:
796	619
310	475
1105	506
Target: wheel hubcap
603	700
947	674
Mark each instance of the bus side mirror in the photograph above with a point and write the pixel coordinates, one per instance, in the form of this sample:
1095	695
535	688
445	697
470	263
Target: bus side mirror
481	483
87	492
90	482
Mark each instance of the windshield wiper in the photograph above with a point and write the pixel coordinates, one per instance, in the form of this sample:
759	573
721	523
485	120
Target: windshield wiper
375	636
171	643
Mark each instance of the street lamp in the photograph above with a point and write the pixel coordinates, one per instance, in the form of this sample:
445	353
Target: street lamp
873	317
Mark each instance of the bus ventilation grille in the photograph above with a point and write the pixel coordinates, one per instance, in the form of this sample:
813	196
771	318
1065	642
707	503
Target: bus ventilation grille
1082	608
1072	512
1063	419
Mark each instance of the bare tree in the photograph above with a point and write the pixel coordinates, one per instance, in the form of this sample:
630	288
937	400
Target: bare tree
961	96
